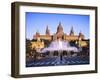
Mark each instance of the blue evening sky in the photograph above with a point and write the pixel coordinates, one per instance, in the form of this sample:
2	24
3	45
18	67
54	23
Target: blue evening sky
39	21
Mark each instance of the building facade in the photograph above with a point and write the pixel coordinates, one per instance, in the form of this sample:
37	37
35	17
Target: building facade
58	34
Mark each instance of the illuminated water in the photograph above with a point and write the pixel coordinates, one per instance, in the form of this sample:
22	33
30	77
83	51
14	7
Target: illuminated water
60	45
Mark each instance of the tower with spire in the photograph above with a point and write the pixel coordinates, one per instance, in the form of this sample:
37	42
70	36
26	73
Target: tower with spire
81	35
37	33
47	31
72	31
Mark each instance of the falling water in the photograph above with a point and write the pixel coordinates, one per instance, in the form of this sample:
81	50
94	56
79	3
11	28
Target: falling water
60	45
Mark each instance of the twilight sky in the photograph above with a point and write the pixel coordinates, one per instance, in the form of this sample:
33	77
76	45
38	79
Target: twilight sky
39	21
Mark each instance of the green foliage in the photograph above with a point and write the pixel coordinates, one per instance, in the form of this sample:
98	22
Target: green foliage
28	46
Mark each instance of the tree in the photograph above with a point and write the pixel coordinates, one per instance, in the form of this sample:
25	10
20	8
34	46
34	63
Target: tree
28	46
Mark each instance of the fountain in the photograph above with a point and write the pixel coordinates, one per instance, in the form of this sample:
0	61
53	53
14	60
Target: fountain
60	45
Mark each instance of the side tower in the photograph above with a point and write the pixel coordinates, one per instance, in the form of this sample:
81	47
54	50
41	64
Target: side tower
71	31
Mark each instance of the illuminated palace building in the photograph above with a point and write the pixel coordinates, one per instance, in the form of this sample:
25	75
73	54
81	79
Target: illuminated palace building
38	39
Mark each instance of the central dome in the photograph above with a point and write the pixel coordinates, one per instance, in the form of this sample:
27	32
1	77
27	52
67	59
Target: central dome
59	32
59	28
